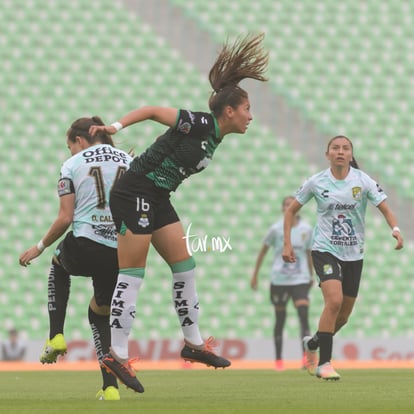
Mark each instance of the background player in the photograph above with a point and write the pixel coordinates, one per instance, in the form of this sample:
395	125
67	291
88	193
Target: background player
287	280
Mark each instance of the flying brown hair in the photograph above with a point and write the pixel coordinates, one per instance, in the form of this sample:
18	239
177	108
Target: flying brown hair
245	58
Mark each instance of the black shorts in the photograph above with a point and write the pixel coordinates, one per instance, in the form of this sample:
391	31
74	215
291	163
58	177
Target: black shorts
329	267
80	256
280	294
137	204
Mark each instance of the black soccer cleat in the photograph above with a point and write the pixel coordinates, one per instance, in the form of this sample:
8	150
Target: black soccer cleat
205	355
123	371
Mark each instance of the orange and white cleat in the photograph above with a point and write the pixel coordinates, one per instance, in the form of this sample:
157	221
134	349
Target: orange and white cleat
327	372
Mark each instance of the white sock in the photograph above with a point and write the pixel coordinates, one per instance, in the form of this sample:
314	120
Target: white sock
186	305
123	307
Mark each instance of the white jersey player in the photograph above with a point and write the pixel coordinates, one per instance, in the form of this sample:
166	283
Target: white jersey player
287	279
341	194
89	249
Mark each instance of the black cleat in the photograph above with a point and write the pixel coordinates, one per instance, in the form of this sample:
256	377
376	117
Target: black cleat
205	355
123	371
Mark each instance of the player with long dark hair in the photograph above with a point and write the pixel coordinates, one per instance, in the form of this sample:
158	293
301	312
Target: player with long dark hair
341	193
89	249
141	207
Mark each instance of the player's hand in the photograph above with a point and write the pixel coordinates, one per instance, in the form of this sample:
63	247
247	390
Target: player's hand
30	254
288	254
253	282
109	129
400	241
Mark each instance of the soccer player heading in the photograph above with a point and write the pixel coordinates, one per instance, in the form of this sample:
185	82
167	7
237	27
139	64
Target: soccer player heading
341	193
141	207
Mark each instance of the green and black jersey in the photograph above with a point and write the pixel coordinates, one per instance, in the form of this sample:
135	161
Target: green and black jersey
181	151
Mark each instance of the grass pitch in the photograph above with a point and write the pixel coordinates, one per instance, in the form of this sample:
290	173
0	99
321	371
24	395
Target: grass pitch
216	391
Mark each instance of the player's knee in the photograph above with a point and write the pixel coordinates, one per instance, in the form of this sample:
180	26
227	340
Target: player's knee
340	322
102	310
333	307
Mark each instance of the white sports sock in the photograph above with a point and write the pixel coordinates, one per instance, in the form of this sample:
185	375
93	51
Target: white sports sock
123	307
186	305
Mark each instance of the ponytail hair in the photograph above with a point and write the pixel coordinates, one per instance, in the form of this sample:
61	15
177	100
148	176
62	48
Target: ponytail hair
81	126
354	163
246	58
